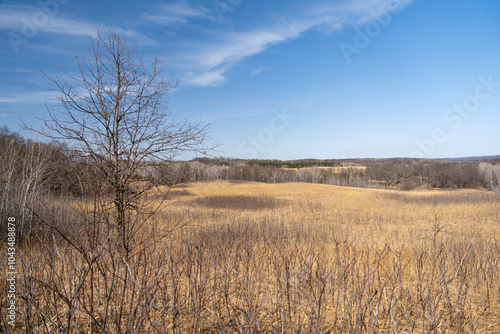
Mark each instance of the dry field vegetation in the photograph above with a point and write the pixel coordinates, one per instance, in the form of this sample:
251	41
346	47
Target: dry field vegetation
278	258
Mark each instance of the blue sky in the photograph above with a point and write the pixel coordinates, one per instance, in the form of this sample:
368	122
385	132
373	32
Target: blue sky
287	79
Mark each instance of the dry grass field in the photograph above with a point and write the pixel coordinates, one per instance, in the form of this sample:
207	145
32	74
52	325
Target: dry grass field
284	258
372	216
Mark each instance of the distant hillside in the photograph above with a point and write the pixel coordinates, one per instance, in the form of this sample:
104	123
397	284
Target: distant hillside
480	158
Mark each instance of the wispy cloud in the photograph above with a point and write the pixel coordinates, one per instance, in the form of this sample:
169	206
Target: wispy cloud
16	70
212	60
260	70
207	62
238	46
20	19
176	13
29	98
208	78
353	12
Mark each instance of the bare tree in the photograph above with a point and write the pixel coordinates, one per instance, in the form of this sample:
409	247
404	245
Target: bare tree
22	172
114	114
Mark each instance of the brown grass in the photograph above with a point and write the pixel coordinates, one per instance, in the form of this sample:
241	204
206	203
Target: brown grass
236	202
284	258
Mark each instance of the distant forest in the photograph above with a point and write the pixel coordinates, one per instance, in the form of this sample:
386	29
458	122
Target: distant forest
393	173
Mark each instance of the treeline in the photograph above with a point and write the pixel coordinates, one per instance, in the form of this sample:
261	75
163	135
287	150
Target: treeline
292	164
34	175
399	173
193	171
24	170
411	173
302	163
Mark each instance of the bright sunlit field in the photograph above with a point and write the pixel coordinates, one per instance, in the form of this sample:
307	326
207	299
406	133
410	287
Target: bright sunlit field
284	258
369	215
308	257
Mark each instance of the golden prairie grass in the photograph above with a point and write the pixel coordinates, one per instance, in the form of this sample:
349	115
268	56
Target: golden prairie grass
373	215
412	233
282	258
